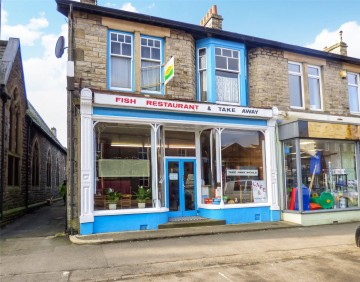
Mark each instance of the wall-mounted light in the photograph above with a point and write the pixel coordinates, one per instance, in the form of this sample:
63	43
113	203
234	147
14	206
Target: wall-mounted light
343	74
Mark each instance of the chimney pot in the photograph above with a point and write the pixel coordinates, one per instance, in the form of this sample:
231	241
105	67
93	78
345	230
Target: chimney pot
212	19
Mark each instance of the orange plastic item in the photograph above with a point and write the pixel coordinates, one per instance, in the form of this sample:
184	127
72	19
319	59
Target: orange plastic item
315	206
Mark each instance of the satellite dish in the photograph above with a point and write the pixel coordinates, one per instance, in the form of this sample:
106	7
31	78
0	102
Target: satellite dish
59	48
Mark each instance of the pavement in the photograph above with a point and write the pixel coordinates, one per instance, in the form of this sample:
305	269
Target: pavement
144	235
41	222
50	221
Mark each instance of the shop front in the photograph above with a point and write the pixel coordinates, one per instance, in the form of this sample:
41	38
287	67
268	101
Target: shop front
324	159
147	161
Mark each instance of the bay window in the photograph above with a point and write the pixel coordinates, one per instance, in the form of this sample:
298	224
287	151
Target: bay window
221	72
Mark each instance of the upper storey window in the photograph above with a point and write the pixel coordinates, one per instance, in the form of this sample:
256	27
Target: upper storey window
150	64
354	92
221	69
295	85
314	83
227	75
121	46
135	63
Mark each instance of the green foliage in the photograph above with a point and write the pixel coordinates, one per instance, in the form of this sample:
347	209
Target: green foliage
143	194
112	196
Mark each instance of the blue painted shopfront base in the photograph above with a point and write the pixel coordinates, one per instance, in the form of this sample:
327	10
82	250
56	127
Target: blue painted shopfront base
126	222
242	215
150	221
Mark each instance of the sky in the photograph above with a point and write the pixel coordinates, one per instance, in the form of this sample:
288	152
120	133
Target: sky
308	23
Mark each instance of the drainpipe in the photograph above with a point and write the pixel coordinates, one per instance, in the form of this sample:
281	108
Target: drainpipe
4	98
70	88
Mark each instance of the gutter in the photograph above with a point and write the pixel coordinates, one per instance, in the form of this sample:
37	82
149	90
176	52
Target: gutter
198	31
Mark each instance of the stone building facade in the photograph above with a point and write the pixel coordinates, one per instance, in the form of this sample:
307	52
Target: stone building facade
23	135
233	85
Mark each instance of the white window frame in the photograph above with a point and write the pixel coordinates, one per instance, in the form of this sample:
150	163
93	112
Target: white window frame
131	57
200	71
358	90
318	77
302	84
230	71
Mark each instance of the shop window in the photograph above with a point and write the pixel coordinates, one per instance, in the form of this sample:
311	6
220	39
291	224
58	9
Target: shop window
354	92
239	175
314	85
123	166
209	182
35	165
289	153
221	73
327	173
179	144
242	166
295	85
48	170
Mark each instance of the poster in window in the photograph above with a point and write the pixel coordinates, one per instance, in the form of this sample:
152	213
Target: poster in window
259	191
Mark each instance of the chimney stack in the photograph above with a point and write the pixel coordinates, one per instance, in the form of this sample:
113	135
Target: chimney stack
54	131
212	19
90	2
339	48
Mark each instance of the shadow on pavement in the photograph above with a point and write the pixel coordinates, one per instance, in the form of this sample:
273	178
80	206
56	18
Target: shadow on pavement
42	222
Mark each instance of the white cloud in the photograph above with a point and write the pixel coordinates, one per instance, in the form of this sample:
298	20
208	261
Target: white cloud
4	16
351	36
128	7
45	79
28	33
152	5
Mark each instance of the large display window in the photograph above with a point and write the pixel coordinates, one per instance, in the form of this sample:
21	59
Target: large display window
123	166
327	172
232	166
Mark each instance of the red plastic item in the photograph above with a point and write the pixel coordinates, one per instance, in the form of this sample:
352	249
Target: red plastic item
293	197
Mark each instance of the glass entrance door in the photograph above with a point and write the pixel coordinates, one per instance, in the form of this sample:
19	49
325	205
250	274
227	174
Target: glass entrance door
181	179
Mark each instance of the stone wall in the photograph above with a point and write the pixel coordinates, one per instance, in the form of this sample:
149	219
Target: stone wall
268	78
269	85
182	46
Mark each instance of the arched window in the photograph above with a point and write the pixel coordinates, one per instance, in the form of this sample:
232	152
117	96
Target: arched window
57	180
48	170
35	165
13	141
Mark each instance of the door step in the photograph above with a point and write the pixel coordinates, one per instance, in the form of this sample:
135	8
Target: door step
190	221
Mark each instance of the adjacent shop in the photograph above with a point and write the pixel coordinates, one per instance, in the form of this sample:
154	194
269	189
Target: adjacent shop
146	161
324	158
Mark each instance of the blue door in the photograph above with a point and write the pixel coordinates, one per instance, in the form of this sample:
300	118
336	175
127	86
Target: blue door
181	187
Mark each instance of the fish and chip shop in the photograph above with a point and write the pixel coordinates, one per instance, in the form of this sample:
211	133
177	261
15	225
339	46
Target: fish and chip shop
147	161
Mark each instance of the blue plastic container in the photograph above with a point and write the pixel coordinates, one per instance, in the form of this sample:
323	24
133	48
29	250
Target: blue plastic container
306	198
